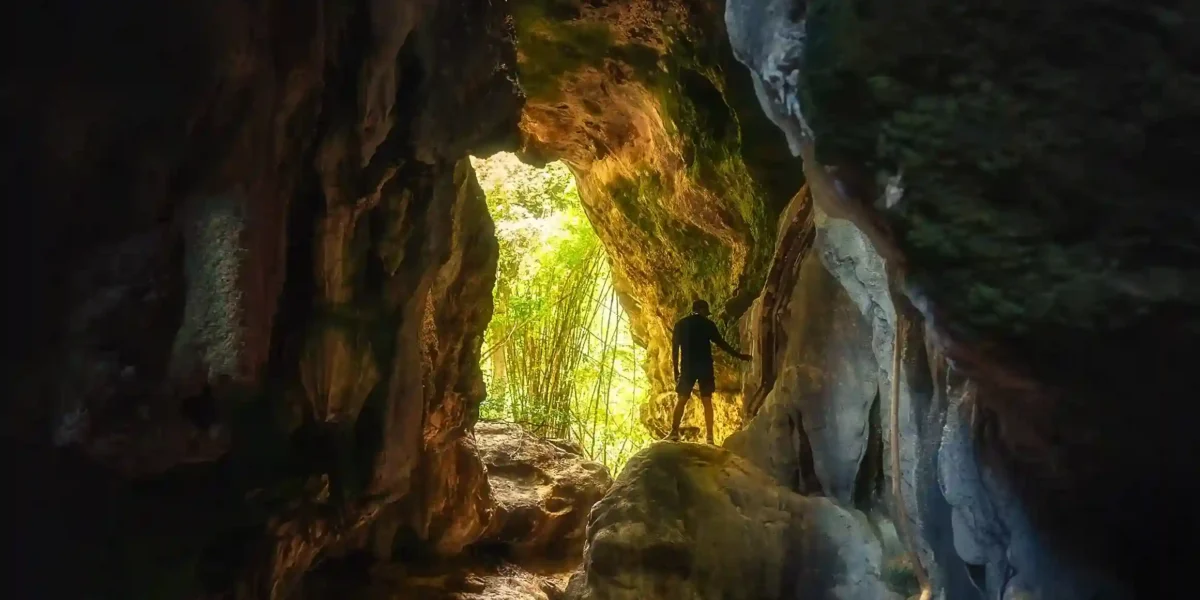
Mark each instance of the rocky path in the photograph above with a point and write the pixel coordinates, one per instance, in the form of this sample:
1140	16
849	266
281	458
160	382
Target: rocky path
505	582
540	493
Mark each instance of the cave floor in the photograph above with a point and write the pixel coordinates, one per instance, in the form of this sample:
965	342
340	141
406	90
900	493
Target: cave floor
477	582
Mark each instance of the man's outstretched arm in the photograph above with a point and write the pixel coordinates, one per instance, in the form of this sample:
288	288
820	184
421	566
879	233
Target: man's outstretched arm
722	344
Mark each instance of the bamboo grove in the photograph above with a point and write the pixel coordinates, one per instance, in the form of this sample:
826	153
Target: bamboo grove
558	356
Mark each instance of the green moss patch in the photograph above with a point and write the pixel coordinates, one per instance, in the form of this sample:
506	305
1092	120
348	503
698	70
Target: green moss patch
691	92
731	150
900	577
552	43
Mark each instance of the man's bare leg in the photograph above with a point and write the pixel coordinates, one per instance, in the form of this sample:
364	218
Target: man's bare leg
677	417
708	416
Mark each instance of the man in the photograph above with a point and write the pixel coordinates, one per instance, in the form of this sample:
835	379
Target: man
692	341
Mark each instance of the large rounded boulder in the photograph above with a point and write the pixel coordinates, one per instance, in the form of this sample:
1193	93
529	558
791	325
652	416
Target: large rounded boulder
686	521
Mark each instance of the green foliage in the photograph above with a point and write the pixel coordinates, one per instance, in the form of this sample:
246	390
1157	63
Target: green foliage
559	357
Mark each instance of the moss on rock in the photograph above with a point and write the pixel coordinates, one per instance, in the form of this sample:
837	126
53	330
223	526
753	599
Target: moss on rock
1033	139
682	175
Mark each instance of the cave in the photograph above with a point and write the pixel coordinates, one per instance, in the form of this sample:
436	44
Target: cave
252	268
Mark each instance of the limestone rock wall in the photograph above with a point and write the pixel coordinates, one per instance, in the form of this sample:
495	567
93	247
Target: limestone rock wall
247	283
694	521
247	271
975	193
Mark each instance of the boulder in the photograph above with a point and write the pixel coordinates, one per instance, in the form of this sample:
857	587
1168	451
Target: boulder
543	490
698	522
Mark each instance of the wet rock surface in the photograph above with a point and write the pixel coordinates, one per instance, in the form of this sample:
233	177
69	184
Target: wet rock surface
693	521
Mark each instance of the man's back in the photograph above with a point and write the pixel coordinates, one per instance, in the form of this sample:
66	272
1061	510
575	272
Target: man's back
692	362
694	335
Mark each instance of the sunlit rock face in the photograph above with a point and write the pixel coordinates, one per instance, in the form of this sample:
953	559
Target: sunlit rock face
252	274
679	171
1022	203
693	521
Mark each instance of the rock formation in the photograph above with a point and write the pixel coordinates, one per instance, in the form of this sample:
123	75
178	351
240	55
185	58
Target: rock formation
543	491
248	285
394	582
693	521
993	173
678	170
248	267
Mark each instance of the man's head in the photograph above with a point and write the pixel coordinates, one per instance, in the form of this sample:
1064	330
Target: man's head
700	307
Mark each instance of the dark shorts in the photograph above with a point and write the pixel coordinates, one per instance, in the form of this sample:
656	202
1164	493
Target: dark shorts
689	380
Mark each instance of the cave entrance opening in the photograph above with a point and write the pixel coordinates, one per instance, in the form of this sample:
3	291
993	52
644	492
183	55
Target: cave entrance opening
559	357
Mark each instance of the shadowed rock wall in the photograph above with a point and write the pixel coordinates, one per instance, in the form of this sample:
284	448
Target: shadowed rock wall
248	270
247	285
1006	165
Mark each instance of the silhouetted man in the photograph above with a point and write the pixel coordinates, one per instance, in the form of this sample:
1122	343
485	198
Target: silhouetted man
692	341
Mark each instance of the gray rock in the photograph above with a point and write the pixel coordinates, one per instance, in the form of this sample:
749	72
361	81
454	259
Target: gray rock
685	521
828	385
824	426
964	518
774	440
991	529
767	39
854	263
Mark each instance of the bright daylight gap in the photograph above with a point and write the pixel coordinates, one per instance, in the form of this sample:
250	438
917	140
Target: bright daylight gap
558	358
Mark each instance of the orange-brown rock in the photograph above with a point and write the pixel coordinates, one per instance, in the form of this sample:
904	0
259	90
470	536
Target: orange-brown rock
241	217
678	170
